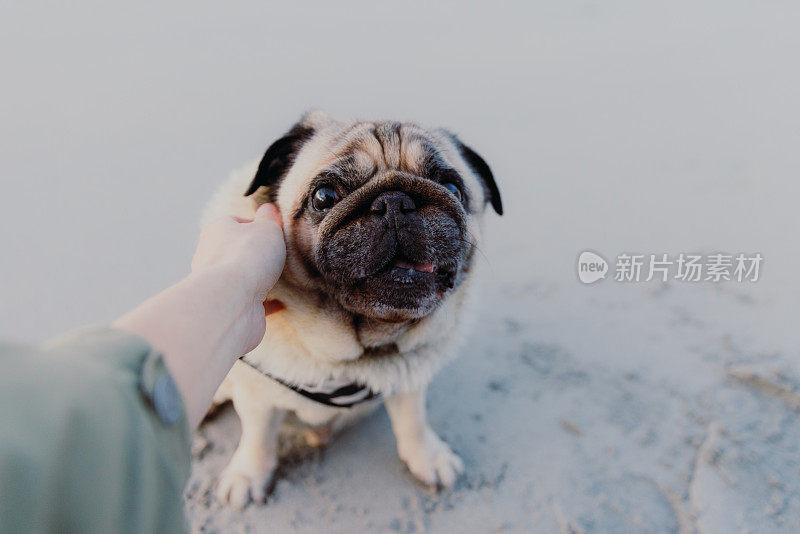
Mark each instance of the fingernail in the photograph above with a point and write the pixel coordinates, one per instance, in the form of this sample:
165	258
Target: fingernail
270	211
267	209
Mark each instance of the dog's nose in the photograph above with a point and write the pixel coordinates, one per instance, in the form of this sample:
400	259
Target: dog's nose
393	205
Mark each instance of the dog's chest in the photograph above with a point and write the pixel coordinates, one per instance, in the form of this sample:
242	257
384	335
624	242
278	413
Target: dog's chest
325	336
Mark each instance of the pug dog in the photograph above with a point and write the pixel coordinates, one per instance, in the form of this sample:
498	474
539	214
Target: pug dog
382	223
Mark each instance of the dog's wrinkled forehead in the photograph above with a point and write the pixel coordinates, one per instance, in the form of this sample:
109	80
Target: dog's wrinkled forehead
368	148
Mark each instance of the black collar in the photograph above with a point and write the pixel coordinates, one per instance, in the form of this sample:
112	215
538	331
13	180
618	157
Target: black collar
344	397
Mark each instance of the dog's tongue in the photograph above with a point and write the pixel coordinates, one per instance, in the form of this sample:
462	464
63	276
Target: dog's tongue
421	267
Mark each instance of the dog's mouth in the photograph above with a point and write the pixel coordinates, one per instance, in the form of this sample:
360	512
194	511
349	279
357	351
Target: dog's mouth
401	289
404	289
408	273
412	267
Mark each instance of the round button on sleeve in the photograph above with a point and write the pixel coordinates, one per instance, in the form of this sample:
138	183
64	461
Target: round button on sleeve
159	389
167	400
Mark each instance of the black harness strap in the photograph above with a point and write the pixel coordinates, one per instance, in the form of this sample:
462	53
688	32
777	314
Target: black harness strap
350	391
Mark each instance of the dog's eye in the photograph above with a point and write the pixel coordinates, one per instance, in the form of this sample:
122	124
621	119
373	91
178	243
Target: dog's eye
324	198
453	188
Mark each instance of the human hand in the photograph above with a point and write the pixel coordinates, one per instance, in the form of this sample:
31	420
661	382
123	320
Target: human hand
249	254
251	250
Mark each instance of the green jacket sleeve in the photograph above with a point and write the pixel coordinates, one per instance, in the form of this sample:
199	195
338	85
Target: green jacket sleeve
93	437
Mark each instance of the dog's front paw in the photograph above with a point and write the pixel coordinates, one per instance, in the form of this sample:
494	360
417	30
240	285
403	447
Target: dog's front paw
431	460
239	484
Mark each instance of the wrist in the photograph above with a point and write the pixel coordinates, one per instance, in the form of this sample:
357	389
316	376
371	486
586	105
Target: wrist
230	281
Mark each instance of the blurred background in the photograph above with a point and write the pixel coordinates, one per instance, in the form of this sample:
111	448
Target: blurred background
611	126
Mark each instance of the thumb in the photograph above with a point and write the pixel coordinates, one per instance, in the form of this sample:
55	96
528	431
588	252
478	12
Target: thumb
269	212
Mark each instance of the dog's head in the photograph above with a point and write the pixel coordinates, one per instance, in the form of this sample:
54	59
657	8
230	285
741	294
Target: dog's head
380	216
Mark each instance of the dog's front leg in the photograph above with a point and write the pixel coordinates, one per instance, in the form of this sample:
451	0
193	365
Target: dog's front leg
255	459
428	457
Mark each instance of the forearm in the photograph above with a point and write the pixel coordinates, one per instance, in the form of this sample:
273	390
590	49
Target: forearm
197	325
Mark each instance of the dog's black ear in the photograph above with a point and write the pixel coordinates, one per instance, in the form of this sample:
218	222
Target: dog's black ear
481	168
278	158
